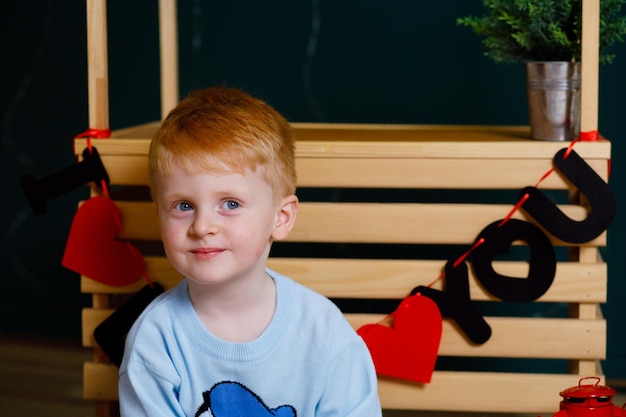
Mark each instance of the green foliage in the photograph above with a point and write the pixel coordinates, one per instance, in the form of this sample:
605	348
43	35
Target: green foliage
542	30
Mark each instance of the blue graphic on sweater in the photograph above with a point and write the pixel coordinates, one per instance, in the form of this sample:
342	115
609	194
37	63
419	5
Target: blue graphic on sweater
231	399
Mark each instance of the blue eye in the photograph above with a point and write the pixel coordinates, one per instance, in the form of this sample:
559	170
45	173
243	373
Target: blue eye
184	206
231	205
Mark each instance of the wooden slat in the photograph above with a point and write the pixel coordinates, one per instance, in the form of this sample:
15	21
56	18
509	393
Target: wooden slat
142	132
444	173
90	319
168	55
589	65
370	222
518	337
390	173
403	223
512	337
100	381
126	169
450	391
97	65
386	141
395	156
465	141
479	392
587	367
455	148
393	279
371	278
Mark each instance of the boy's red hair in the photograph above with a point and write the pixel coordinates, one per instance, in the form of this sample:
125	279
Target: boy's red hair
222	129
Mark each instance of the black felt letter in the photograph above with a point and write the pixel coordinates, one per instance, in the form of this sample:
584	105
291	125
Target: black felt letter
454	302
498	238
588	183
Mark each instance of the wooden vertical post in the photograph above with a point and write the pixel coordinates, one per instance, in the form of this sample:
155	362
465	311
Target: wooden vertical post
98	91
168	36
589	63
97	64
589	85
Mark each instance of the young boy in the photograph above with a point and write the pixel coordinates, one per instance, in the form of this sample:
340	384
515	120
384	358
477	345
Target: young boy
235	338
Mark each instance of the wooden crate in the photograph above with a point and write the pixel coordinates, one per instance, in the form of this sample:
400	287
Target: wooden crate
383	208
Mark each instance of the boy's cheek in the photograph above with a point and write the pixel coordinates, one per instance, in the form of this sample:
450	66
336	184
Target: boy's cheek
168	233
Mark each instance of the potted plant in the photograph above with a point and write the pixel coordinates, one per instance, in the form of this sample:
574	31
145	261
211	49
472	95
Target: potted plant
546	36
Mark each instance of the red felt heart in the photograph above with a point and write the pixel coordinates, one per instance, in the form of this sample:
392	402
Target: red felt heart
92	249
408	350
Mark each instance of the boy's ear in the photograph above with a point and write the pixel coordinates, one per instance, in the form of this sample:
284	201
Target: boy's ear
286	217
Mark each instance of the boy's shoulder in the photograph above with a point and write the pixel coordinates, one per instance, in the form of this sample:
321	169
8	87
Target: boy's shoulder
173	296
289	287
161	309
311	304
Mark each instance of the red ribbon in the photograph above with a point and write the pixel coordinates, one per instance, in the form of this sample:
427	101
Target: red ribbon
95	133
591	136
594	136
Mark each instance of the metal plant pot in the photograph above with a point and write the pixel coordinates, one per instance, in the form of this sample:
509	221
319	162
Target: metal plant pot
553	99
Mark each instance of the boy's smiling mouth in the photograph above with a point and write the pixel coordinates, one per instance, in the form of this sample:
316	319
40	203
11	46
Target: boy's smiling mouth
206	253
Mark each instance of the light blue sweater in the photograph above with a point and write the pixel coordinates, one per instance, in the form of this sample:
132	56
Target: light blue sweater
308	362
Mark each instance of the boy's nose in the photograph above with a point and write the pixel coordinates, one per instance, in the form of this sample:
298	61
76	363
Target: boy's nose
204	225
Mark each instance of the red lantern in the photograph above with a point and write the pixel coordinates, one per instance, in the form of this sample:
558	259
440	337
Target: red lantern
589	400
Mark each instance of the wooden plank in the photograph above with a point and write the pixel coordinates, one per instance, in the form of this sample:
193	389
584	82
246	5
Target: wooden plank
430	148
402	223
168	55
512	337
100	381
479	392
143	132
388	141
126	169
587	367
517	337
492	140
373	132
393	279
97	65
90	319
501	392
446	173
589	66
391	173
390	279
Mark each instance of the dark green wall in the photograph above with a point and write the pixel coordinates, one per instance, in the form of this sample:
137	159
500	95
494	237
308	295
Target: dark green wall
398	61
